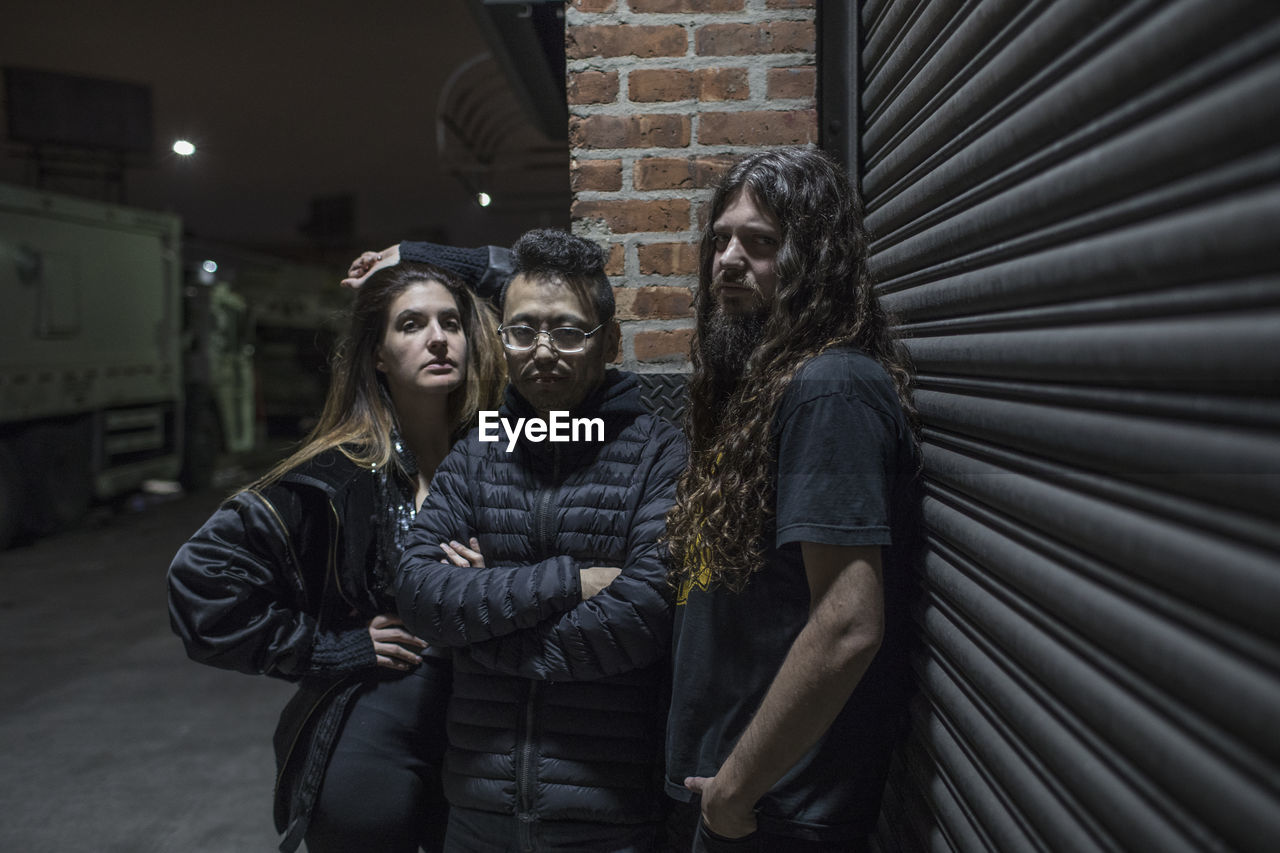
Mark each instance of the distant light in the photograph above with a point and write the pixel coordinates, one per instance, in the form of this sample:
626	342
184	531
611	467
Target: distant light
204	275
183	147
484	199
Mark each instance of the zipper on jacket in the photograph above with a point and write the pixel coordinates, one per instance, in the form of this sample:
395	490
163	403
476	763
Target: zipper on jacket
544	540
288	542
336	532
306	720
525	765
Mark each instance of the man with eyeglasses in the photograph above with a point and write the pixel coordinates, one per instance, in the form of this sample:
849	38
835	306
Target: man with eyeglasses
558	610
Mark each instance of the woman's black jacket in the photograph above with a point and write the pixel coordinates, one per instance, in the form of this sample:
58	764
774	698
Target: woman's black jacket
279	582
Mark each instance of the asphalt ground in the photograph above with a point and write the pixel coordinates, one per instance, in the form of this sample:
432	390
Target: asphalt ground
112	740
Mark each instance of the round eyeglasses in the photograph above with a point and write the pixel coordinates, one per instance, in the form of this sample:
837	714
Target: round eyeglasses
566	339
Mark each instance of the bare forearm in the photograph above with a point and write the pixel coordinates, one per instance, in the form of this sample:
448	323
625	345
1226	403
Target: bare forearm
824	664
815	680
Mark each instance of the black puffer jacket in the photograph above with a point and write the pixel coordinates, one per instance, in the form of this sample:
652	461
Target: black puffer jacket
279	582
559	705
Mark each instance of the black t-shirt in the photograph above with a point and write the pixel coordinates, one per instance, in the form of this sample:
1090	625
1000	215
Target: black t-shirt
846	475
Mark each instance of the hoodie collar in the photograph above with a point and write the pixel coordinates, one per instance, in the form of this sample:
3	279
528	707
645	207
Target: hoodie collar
616	400
618	393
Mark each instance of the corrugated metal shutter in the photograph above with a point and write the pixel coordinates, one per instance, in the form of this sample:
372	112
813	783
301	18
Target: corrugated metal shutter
1076	217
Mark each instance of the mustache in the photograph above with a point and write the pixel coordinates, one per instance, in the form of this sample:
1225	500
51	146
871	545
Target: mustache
744	279
532	372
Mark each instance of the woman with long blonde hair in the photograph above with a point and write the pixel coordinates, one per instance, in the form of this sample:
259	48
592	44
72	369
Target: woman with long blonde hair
291	576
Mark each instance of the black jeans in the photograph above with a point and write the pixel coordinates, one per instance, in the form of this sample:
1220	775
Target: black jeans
382	791
472	831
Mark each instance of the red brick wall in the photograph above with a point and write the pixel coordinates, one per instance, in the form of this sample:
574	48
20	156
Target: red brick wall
662	94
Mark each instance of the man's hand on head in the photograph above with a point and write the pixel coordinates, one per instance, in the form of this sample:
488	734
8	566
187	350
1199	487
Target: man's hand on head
369	263
596	578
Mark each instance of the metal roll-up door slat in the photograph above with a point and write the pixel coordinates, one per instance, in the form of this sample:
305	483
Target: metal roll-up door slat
1250	412
1181	353
1193	88
1137	773
1074	207
1258	292
964	770
1038	55
1194	194
1216	719
898	76
1187	139
1231	237
936	819
886	31
1156	560
1255	533
918	831
1001	698
1160	754
1232	468
902	103
871	15
1254	179
1037	129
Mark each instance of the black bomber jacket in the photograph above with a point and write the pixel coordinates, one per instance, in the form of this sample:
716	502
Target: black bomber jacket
278	582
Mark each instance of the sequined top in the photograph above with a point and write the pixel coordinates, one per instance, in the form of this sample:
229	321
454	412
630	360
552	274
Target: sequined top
397	488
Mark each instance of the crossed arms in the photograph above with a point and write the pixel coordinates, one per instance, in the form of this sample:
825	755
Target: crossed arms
534	618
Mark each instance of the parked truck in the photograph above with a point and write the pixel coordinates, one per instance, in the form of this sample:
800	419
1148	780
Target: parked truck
105	376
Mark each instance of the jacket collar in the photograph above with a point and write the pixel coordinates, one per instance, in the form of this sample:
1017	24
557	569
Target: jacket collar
331	470
327	471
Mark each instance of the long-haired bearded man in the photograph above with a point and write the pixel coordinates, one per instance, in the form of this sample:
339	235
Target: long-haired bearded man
792	536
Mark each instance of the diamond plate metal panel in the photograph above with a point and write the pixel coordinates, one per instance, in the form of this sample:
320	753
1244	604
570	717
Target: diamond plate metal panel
664	394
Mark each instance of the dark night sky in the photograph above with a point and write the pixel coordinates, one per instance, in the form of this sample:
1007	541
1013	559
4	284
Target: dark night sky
285	101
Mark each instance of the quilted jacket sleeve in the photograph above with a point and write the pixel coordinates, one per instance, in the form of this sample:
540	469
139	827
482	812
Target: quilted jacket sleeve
236	596
628	624
448	605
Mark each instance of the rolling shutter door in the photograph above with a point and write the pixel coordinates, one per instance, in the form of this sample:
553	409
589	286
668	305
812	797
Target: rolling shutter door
1075	209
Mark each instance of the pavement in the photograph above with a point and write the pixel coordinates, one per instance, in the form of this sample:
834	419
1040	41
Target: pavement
112	740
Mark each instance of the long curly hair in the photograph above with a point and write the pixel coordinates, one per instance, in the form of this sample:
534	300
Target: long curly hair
725	505
358	415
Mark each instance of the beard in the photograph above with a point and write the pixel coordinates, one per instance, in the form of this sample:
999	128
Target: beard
727	342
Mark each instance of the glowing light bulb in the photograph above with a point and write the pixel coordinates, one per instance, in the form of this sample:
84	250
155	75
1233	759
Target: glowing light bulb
183	147
484	199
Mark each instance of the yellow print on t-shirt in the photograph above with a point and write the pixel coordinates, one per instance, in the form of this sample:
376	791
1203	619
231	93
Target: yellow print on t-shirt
698	558
699	577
